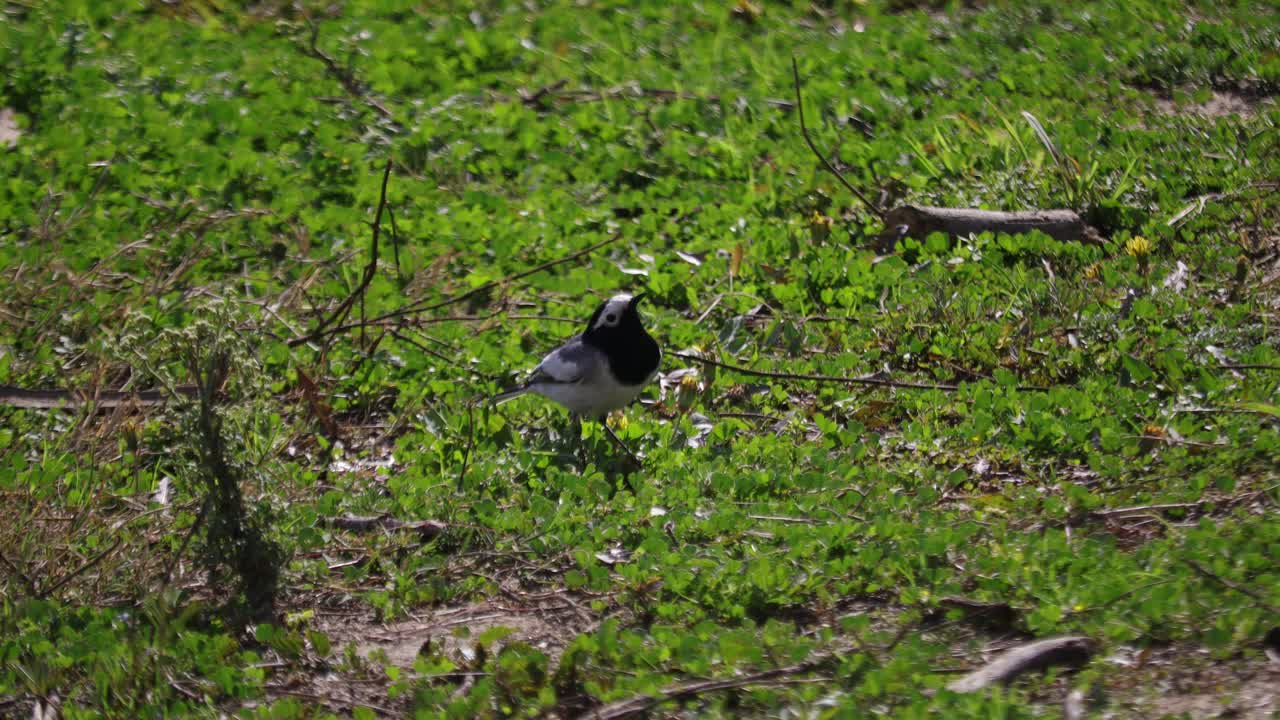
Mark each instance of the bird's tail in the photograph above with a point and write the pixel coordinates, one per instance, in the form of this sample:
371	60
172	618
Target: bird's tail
508	395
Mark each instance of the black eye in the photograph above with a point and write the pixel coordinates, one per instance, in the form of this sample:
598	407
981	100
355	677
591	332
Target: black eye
610	318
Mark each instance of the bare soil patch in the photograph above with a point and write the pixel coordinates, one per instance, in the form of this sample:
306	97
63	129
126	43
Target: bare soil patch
1222	104
547	622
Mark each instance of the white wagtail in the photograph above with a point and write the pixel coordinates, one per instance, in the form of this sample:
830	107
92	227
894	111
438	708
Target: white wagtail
600	370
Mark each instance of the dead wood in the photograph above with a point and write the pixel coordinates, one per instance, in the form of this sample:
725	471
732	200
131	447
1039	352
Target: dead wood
102	399
1073	650
918	221
637	706
427	529
349	82
989	616
423	306
370	270
1231	584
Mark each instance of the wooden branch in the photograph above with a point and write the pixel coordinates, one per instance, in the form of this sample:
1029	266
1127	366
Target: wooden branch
1073	650
1233	585
557	93
345	78
918	221
637	706
26	581
816	378
80	570
510	278
427	529
1149	509
426	306
838	379
102	399
804	130
370	270
990	616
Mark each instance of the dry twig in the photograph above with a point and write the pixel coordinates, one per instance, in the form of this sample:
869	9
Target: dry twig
637	706
101	399
358	523
426	306
1233	585
353	86
818	378
804	130
370	270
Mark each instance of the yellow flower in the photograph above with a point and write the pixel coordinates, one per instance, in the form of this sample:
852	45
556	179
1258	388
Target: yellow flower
819	226
1138	246
819	219
1093	271
747	10
618	421
689	382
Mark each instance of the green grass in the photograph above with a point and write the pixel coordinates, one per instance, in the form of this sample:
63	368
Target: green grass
199	164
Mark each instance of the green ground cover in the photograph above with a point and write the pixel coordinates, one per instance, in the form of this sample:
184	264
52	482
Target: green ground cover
187	197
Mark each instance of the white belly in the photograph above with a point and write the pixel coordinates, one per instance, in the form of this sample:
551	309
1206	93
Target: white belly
591	397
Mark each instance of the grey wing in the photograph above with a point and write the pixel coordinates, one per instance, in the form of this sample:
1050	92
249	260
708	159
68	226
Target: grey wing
567	364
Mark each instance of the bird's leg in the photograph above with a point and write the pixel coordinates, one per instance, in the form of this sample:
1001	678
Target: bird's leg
575	427
618	441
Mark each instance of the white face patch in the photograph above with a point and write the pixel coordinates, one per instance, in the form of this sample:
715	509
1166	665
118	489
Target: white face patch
613	310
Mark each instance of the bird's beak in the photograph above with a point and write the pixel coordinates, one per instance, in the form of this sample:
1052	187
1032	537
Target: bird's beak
635	299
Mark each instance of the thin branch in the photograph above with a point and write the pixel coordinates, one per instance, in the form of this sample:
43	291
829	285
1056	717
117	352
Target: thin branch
1242	589
344	77
804	130
80	570
419	308
370	269
819	378
948	387
31	586
442	357
427	529
1147	509
637	706
618	441
510	278
100	399
555	92
471	440
182	549
93	195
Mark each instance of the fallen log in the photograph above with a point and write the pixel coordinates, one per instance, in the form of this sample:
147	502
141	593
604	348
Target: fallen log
1072	650
427	529
54	399
918	221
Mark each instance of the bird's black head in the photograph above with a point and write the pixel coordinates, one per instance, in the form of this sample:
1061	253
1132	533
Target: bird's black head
615	328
